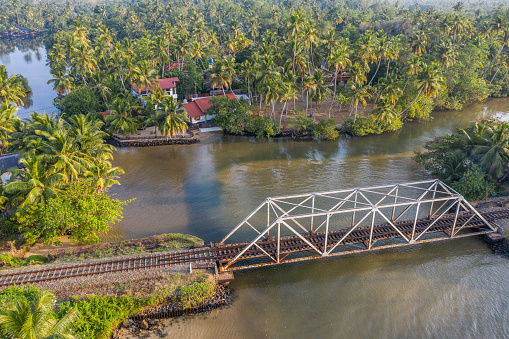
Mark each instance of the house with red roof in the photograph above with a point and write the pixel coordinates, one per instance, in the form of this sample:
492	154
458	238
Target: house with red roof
196	109
167	85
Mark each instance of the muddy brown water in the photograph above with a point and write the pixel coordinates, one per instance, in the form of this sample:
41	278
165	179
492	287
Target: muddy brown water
453	289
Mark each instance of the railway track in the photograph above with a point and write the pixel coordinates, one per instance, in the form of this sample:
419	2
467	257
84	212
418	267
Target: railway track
208	255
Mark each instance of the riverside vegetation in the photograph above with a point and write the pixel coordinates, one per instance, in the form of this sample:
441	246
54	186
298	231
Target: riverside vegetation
31	312
399	63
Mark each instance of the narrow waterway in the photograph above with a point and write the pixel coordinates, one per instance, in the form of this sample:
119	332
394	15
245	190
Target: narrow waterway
454	289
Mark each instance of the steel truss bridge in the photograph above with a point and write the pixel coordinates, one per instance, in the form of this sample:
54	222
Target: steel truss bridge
323	224
312	226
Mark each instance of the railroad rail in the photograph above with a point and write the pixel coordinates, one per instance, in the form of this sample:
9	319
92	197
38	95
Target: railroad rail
340	222
209	255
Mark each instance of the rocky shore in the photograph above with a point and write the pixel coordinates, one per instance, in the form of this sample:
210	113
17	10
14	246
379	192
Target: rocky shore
152	142
148	322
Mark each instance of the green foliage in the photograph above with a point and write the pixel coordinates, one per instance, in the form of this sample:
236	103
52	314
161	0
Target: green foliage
101	314
470	156
326	129
191	80
195	293
80	101
421	109
437	151
262	127
78	211
24	82
30	314
474	184
304	124
231	115
9	260
363	126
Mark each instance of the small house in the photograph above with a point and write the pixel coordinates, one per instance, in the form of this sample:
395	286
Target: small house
167	85
196	109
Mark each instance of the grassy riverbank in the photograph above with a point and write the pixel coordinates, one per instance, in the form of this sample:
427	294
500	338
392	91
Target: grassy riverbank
104	301
103	308
12	257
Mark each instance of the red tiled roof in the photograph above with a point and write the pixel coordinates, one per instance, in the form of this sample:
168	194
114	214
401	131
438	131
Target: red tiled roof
104	113
192	109
163	84
174	65
198	107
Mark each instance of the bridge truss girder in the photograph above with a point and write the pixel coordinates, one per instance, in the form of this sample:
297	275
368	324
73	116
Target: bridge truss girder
337	215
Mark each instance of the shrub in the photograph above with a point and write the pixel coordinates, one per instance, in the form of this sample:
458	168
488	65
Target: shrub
79	211
325	129
80	101
100	315
362	126
473	184
261	127
197	292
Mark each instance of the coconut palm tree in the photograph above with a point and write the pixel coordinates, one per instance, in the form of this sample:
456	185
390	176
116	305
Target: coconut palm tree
321	88
11	88
385	114
175	121
219	76
359	96
32	184
33	317
339	60
7	121
120	119
490	147
431	84
288	92
308	86
103	175
62	82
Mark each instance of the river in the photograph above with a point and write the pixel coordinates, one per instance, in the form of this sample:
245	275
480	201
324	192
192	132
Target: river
453	289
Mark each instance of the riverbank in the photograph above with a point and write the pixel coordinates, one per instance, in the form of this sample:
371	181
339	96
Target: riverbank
110	302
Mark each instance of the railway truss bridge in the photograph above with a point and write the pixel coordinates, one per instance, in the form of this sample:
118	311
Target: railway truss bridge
311	226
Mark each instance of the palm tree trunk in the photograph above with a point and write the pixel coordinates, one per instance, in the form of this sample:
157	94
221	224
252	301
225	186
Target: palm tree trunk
495	74
494	59
334	95
281	116
376	71
307	102
355	116
503	79
388	66
418	94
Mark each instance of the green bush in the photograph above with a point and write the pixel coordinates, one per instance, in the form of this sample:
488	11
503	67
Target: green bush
262	127
325	129
100	315
9	260
78	211
362	126
197	292
473	185
80	101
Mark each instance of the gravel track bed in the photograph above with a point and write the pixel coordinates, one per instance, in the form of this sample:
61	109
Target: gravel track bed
84	262
65	288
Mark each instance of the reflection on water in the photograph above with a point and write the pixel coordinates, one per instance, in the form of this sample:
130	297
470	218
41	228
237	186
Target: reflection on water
452	289
29	60
207	188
